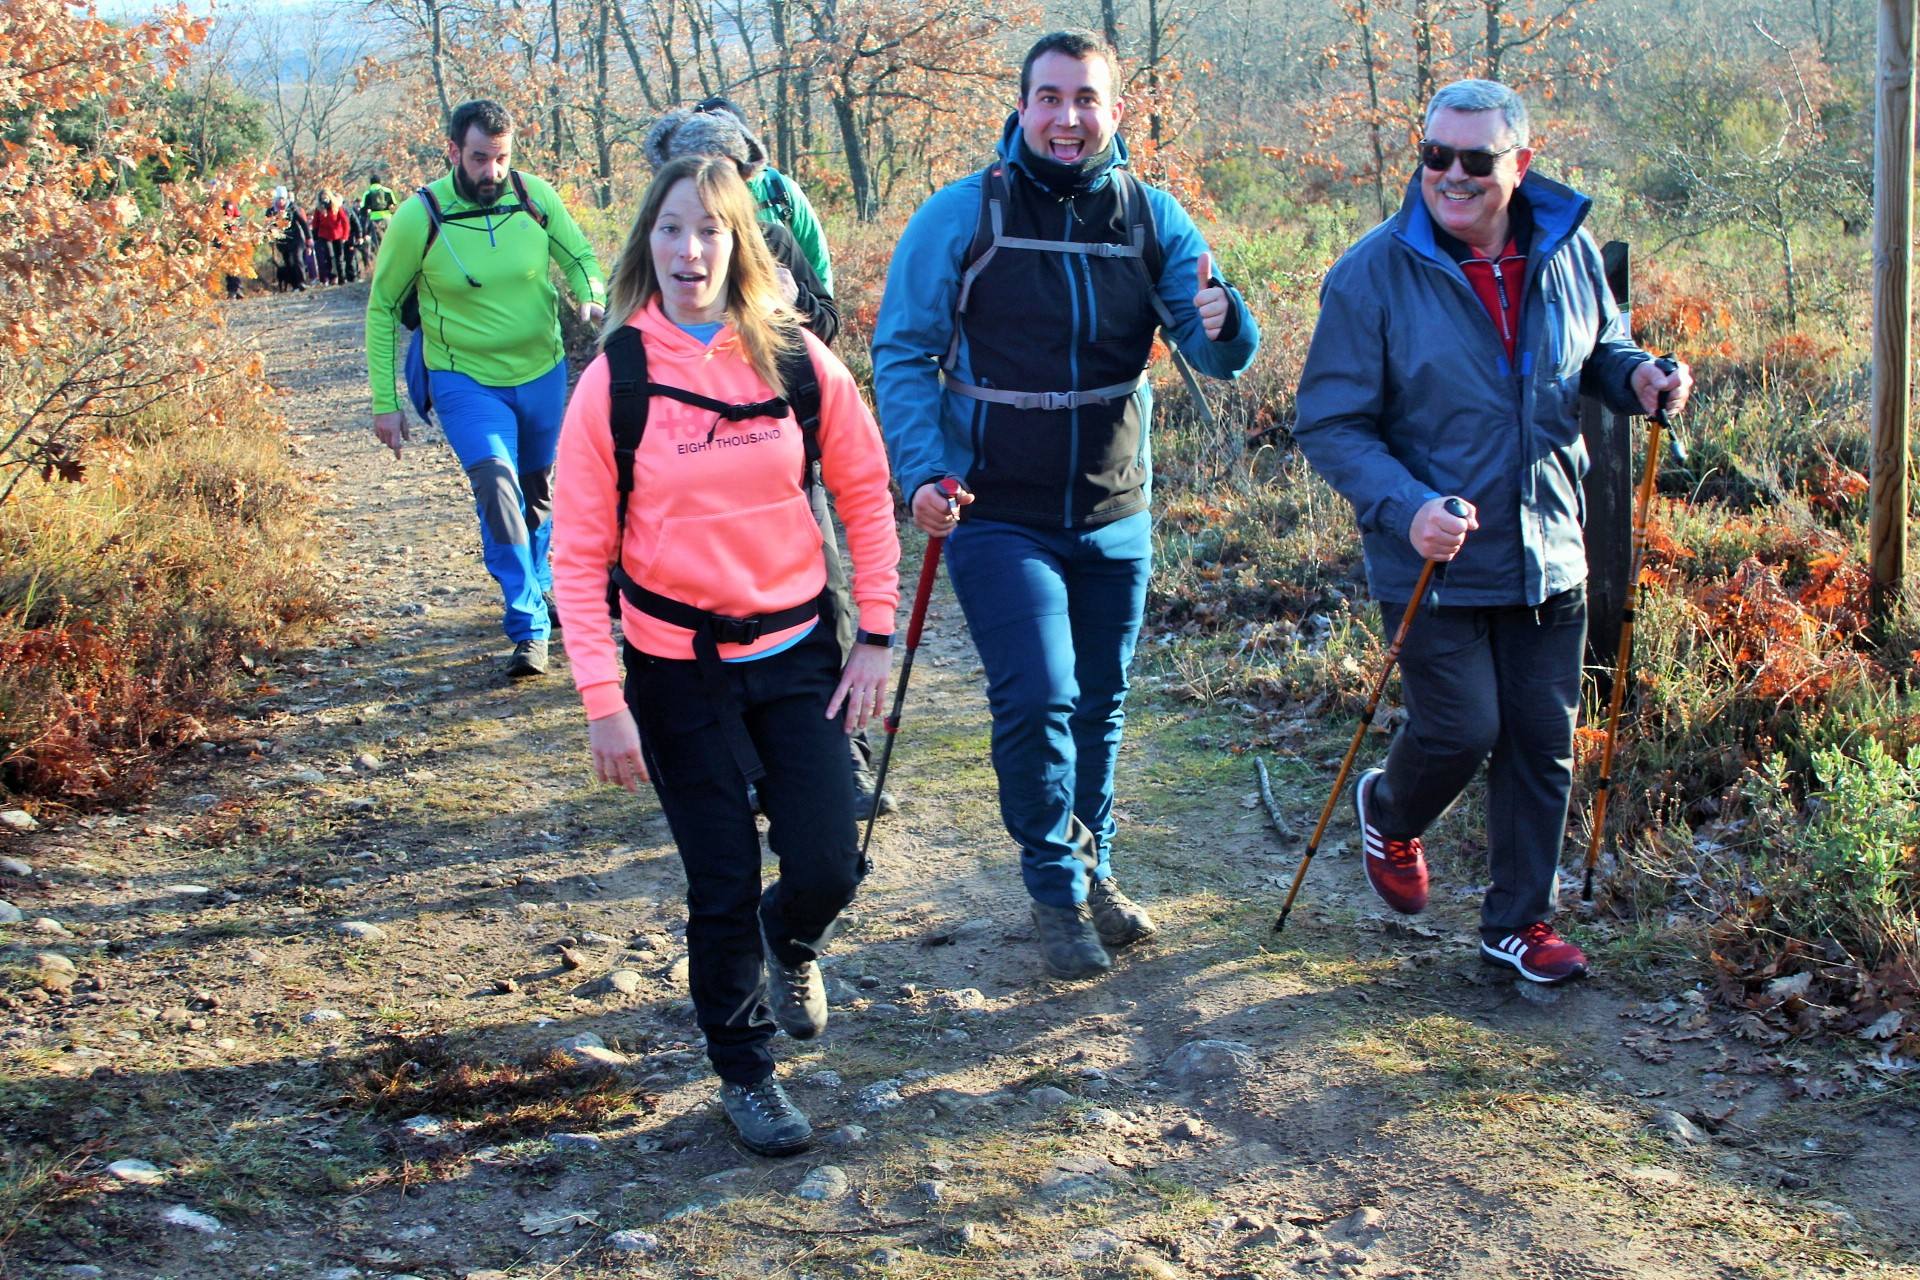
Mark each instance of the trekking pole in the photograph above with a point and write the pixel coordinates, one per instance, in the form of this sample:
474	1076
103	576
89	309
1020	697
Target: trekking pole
929	569
1457	509
1617	698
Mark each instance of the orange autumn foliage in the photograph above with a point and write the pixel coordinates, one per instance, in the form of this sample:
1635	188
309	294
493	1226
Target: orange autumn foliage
104	305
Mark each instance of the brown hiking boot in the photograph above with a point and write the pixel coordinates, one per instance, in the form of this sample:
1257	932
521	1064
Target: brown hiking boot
1119	919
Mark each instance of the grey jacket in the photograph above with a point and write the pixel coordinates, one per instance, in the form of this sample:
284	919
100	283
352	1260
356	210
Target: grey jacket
1408	395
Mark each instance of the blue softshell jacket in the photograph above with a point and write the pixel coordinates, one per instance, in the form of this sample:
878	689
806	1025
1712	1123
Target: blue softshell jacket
1037	321
1408	395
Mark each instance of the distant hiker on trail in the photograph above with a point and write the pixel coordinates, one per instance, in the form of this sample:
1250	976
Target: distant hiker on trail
708	407
291	244
330	233
230	221
378	202
473	247
1043	417
1454	343
715	128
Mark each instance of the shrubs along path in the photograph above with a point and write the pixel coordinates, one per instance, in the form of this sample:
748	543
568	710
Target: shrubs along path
383	985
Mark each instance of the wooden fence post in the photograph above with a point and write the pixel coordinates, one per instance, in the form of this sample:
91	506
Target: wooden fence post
1892	306
1609	492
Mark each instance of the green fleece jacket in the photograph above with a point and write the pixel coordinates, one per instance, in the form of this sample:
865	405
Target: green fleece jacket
506	331
796	214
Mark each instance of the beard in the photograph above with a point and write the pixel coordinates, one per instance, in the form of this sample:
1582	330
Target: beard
482	193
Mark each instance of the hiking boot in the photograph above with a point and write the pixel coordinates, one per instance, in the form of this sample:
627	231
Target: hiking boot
529	659
1537	952
796	992
1068	942
1397	869
553	613
765	1118
1119	920
867	801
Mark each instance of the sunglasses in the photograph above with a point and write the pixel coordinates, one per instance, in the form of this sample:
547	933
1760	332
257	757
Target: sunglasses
1439	157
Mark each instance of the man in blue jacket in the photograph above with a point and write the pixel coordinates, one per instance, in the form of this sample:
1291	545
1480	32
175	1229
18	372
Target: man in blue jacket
1454	343
1010	353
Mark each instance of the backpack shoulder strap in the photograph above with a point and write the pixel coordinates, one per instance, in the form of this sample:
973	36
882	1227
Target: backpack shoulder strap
802	382
627	397
994	194
434	218
534	211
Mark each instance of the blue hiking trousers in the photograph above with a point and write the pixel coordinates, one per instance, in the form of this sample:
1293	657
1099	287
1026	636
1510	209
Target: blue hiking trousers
505	438
1055	614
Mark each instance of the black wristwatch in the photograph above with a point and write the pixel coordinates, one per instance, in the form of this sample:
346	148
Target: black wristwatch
878	639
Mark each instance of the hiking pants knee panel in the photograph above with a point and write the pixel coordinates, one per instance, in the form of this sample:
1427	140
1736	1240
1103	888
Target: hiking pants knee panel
1498	684
1054	615
505	438
808	797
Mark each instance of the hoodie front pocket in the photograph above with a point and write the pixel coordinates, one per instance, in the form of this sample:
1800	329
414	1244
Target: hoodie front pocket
736	562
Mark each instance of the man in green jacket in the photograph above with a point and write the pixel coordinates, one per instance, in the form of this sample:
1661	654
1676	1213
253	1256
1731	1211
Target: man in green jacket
475	246
378	202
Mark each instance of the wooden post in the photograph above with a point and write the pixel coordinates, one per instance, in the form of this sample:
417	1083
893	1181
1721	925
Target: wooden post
1609	492
1892	306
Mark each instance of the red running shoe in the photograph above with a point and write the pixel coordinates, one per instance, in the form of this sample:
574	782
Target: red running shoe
1397	869
1540	954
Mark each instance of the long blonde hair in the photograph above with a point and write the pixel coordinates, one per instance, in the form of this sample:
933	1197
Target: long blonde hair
755	306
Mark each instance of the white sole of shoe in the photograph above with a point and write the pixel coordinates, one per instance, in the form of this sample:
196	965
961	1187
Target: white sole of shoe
1492	956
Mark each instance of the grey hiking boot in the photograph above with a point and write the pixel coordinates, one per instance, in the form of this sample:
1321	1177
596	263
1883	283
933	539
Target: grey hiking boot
765	1118
796	992
553	612
1119	920
868	800
529	659
1068	942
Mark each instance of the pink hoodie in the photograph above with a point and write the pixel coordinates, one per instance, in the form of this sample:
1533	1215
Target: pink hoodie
718	518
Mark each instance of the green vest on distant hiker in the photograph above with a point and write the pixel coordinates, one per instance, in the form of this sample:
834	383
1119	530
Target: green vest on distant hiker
472	250
378	201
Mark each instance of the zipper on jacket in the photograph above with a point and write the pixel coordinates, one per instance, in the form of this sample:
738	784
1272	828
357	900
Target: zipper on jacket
1506	314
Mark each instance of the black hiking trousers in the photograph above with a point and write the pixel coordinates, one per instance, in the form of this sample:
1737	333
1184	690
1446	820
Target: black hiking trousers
807	794
1500	685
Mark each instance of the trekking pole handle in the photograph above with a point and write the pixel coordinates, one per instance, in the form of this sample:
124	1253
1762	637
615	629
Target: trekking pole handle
1455	508
1676	448
950	487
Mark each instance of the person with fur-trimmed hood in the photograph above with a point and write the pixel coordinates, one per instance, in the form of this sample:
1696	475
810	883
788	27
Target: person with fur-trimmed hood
717	127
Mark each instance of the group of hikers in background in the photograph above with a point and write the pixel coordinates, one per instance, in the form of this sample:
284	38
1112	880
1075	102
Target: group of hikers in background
333	243
697	480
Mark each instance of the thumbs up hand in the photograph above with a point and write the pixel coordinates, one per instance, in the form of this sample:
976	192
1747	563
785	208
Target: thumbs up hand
1211	300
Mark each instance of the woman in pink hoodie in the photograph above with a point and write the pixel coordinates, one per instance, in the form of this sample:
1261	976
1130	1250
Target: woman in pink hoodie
732	674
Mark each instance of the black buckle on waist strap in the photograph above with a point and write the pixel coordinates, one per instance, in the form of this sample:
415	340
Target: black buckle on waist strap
725	630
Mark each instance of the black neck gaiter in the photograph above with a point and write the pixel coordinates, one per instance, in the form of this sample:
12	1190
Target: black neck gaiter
1065	180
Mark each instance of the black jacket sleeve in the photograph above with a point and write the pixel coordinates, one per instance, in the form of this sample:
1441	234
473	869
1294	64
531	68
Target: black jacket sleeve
814	303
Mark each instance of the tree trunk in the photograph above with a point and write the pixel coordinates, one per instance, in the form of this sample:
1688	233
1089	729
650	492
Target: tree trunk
602	144
865	206
1373	109
559	83
1110	24
633	56
436	59
1492	71
782	87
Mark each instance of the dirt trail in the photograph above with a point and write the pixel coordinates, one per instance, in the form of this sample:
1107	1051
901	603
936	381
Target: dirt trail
1373	1103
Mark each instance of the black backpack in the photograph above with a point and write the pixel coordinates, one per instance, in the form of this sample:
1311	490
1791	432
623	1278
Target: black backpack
629	393
1143	247
410	304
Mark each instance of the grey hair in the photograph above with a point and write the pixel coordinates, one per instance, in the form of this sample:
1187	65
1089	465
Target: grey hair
1483	95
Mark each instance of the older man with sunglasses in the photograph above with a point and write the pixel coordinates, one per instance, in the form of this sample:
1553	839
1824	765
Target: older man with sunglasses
1454	343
